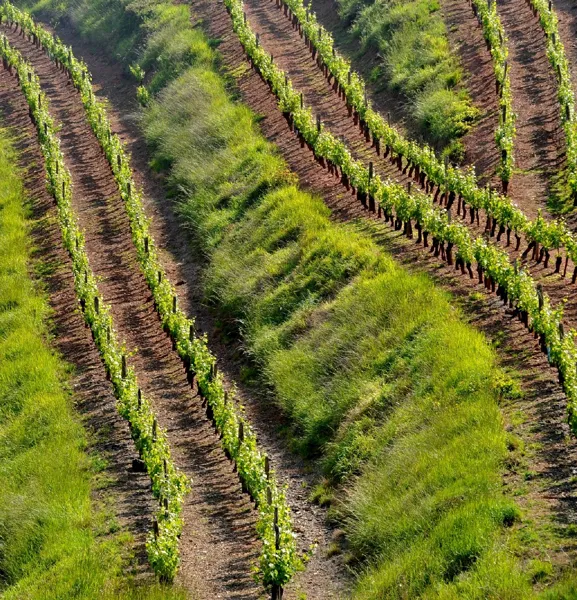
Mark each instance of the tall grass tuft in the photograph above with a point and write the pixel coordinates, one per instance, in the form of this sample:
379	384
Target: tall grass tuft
417	62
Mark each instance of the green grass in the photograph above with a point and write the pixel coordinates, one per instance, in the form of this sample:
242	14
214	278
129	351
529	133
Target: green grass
417	62
54	543
381	378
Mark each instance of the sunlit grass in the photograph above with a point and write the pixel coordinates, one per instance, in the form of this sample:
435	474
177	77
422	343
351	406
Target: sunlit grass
417	61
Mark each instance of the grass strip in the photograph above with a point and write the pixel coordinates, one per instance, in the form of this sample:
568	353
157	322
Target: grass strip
168	485
279	558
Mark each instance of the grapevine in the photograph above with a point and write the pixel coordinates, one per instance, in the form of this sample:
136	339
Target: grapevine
565	94
496	42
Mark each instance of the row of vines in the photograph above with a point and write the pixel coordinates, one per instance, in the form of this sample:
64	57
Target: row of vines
279	557
168	485
551	235
565	95
402	207
497	45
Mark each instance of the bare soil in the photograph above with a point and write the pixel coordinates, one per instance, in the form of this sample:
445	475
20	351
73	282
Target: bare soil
466	37
540	141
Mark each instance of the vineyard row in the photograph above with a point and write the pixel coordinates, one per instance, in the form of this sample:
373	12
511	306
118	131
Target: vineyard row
543	9
168	485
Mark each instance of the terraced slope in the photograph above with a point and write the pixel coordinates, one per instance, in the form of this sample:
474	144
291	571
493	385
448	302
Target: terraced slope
555	453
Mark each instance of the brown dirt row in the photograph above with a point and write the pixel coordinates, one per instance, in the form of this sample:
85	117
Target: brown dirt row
540	141
128	492
107	229
466	37
549	497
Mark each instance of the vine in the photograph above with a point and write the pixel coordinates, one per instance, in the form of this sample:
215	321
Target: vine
496	43
543	9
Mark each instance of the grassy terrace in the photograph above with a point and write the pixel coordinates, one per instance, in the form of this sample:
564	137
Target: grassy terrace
379	374
54	544
417	62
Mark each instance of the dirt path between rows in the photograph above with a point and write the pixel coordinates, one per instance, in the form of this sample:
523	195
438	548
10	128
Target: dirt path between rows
550	496
324	577
540	142
466	37
128	492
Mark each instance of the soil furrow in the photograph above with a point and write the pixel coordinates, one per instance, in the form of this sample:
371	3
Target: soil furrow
466	36
540	142
551	491
218	544
109	433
